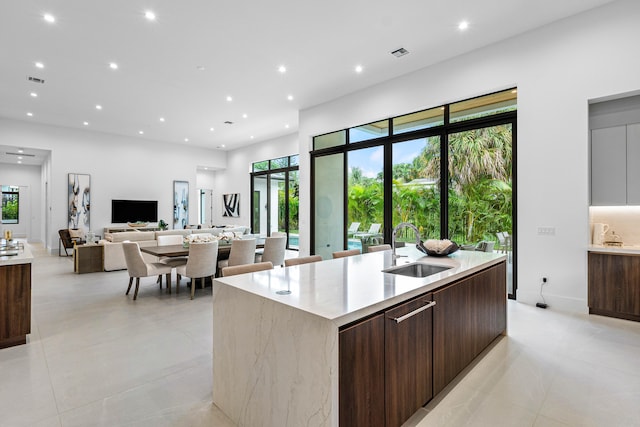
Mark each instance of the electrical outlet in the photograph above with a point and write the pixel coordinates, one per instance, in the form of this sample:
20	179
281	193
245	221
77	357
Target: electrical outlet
546	231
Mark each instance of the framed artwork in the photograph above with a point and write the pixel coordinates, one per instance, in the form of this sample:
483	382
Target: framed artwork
79	202
180	204
231	205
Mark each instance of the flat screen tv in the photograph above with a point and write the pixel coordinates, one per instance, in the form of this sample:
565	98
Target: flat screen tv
134	211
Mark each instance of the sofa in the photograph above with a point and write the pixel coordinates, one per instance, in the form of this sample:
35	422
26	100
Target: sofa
112	242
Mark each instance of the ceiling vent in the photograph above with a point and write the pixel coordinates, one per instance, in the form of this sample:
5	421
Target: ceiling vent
399	52
35	79
228	122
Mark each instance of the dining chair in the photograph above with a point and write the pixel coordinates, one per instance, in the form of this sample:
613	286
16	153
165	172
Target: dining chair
302	260
342	254
242	252
378	248
246	268
200	264
274	249
137	267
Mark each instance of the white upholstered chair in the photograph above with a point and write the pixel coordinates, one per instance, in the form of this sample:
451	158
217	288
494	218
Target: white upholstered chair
137	267
274	249
302	260
243	251
200	265
246	268
342	254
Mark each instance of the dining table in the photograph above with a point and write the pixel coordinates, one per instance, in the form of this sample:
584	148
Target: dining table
224	247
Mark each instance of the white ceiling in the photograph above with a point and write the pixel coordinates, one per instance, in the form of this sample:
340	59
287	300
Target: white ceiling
238	46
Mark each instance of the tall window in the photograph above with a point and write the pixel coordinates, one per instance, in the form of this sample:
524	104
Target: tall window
448	170
275	196
10	204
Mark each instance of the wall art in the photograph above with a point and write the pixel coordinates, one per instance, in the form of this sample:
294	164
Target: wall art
180	204
79	202
231	205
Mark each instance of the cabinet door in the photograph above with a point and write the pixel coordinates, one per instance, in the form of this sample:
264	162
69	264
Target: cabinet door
15	301
633	164
361	374
467	317
408	359
608	166
603	289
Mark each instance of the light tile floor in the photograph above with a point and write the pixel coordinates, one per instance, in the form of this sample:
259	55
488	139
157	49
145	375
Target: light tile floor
97	358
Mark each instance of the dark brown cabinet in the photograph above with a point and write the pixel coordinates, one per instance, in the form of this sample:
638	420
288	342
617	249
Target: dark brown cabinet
15	304
468	316
614	285
361	370
408	354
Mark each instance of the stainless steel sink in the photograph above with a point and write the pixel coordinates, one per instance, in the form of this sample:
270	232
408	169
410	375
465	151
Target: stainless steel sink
417	269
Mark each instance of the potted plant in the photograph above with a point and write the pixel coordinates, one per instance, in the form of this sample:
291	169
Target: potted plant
162	225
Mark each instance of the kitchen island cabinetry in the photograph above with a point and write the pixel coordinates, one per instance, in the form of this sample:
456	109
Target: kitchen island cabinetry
468	316
338	342
15	298
614	285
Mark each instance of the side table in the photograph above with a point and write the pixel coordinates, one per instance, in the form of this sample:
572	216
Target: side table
88	258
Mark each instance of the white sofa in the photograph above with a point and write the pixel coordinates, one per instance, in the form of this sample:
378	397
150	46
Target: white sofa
112	242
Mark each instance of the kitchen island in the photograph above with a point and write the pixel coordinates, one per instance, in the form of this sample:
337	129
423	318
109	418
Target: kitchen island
309	344
15	294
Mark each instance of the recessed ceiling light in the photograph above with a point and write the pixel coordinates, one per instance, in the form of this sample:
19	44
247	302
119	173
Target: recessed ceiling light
244	116
211	129
251	137
358	68
85	123
20	150
113	65
186	140
162	119
49	18
282	69
200	68
141	132
150	15
19	157
33	95
19	162
221	146
463	25
30	114
98	107
39	65
286	126
229	98
290	97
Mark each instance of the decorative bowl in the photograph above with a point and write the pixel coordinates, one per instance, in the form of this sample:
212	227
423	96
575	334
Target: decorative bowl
444	252
137	224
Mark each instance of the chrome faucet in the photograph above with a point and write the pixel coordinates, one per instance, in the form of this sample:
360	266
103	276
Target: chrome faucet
395	231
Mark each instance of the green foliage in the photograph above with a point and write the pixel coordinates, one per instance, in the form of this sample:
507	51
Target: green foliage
10	210
480	193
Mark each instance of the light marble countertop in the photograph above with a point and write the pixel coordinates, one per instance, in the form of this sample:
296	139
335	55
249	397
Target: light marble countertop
346	289
625	249
24	256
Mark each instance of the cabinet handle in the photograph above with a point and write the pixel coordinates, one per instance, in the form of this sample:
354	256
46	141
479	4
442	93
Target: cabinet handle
414	312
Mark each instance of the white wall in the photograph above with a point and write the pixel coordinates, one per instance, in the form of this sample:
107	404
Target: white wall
557	70
236	178
120	168
29	180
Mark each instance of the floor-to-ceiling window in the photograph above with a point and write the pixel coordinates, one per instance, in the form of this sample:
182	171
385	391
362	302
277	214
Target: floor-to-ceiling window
448	170
275	195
